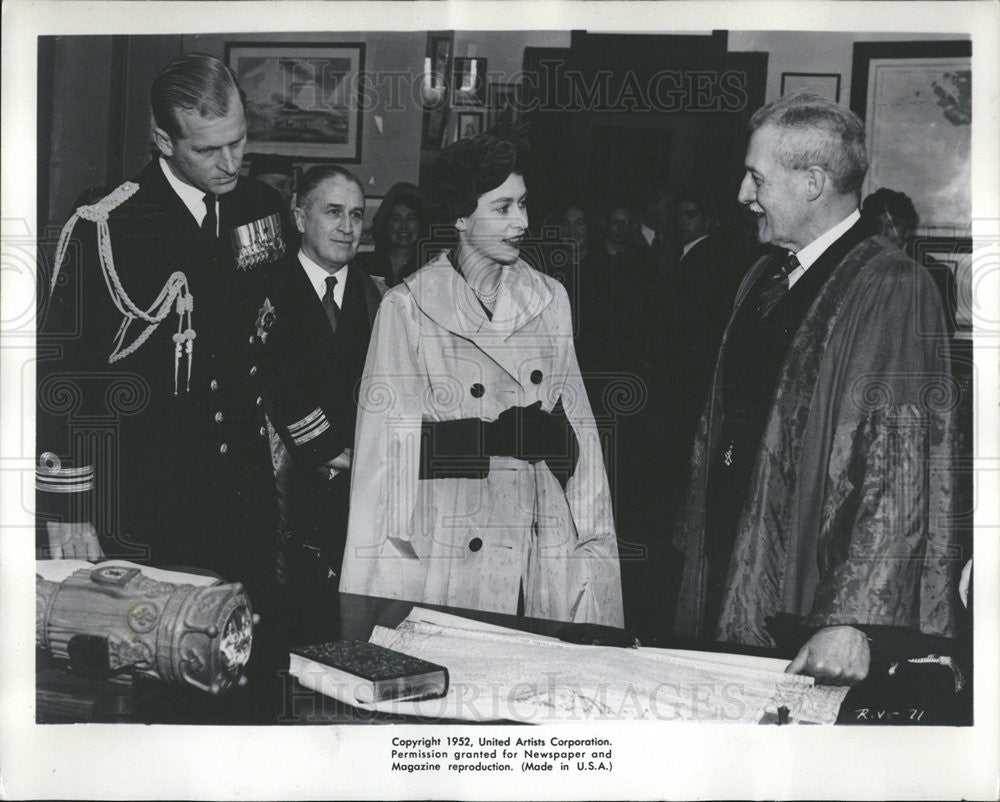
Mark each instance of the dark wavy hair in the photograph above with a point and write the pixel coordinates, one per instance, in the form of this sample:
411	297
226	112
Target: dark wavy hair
195	83
469	168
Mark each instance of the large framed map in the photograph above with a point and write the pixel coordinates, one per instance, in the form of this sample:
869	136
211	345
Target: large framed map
916	100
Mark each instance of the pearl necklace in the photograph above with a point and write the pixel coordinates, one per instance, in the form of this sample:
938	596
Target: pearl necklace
488	298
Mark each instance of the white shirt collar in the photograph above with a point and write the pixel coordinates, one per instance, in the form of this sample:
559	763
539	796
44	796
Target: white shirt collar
193	198
318	275
809	254
691	244
648	234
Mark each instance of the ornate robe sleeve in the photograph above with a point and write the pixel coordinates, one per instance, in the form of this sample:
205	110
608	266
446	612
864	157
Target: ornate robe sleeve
886	547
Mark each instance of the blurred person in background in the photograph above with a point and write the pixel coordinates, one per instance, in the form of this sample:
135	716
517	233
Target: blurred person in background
399	228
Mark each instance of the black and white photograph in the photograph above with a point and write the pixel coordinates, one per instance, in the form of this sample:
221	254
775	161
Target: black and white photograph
470	124
604	408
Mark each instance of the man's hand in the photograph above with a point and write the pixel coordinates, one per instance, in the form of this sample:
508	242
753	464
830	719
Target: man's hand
834	655
341	462
73	541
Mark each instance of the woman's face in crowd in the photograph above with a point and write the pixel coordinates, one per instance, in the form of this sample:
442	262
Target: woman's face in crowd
403	224
573	226
494	231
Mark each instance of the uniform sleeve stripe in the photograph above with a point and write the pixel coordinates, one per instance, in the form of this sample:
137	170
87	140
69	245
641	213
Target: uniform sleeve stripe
66	484
307	422
311	433
51	477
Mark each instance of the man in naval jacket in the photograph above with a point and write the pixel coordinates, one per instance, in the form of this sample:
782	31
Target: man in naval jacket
150	429
313	332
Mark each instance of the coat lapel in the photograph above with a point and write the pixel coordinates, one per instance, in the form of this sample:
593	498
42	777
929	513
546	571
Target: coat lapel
445	297
159	192
372	296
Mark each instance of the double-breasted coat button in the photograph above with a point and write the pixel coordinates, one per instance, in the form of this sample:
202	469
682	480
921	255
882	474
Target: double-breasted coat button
218	417
260	401
224	448
475	544
214	384
263	432
253	371
536	377
477	390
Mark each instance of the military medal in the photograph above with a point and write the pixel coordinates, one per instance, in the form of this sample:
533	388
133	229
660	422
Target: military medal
266	318
257	243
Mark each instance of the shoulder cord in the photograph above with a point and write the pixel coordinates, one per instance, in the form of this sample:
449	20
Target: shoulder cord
176	287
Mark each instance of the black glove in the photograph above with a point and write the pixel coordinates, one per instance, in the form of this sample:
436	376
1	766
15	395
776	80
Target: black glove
547	436
462	448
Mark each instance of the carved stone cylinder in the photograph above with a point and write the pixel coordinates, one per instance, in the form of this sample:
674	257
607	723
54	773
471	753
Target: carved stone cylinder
180	633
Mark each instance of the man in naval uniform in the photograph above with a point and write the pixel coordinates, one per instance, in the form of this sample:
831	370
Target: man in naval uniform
150	428
313	331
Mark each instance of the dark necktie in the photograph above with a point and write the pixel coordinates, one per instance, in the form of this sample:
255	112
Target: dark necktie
776	286
330	303
210	222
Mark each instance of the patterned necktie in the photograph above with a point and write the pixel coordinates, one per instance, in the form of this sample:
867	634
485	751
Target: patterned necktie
330	303
776	286
210	222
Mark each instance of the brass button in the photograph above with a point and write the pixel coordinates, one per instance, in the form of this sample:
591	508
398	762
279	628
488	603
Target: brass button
263	432
536	377
224	448
252	339
218	417
475	544
253	371
477	390
260	401
214	384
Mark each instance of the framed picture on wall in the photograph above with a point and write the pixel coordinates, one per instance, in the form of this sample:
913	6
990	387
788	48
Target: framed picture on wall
372	202
502	104
916	100
824	84
436	116
302	99
469	82
470	123
951	255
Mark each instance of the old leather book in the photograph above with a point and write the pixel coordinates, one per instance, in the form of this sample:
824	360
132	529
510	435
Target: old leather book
366	672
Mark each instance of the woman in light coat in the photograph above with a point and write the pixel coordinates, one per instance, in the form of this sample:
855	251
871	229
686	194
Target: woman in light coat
478	478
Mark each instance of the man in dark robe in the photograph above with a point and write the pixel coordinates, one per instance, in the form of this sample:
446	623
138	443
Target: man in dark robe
821	484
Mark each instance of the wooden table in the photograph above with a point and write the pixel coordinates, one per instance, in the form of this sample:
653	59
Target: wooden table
273	697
